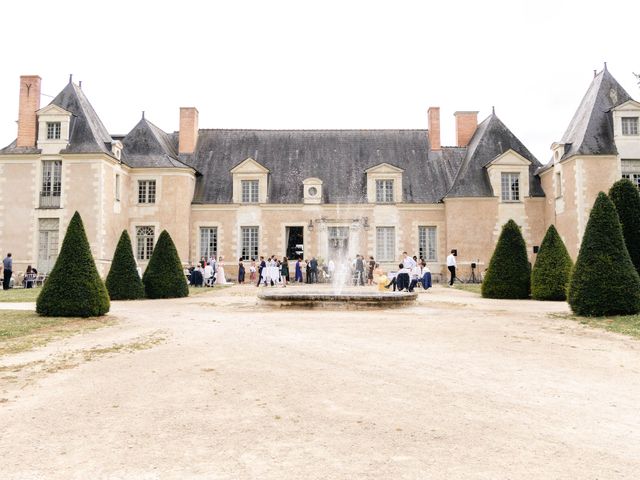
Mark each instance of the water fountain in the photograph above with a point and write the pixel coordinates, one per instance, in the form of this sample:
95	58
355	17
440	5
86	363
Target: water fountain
337	294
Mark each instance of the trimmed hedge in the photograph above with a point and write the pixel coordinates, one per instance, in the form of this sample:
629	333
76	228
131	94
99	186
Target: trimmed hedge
123	281
604	280
552	270
509	273
626	198
74	287
164	277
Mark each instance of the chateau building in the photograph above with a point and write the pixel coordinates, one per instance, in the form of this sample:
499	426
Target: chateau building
326	193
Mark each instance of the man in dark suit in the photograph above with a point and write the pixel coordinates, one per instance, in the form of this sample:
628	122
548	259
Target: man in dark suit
262	265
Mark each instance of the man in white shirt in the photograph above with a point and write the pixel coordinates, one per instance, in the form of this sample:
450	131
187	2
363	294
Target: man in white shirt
208	275
407	261
451	265
416	274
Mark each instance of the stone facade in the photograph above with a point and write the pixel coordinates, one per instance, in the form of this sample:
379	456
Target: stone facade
250	193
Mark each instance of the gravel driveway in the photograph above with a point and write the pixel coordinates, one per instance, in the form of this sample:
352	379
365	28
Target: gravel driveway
218	387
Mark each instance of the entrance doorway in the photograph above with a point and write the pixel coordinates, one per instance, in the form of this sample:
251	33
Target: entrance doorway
295	242
338	247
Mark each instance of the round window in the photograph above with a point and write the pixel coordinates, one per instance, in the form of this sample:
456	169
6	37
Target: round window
313	191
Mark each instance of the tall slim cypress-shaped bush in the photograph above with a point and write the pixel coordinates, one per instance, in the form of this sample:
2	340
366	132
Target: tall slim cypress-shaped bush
123	281
626	198
74	287
164	276
552	270
509	274
604	281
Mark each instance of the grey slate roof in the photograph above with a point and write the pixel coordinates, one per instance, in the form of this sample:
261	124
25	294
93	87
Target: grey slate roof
591	129
87	134
147	146
491	139
338	157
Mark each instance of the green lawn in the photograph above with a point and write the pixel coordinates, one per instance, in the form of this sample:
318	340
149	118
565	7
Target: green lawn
625	324
22	330
20	294
468	287
31	294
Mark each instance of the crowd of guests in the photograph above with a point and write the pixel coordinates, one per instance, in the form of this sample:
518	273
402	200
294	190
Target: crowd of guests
207	272
275	272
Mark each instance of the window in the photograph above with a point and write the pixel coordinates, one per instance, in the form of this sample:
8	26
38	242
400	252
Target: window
146	191
249	242
144	241
384	191
629	125
117	187
385	243
51	184
250	191
634	177
558	184
510	187
53	130
295	242
48	231
208	242
427	247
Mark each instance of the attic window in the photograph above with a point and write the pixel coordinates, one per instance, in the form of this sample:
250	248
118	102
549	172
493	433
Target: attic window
629	125
510	184
53	130
250	191
384	191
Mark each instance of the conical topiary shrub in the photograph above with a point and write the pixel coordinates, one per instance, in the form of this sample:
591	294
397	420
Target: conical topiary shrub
509	274
552	270
626	198
123	281
74	287
604	281
164	277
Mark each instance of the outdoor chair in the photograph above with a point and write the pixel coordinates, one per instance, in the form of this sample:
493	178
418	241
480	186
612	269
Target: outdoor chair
29	280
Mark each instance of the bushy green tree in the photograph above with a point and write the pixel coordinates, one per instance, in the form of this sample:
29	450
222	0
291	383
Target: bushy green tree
552	270
74	287
626	198
164	276
604	281
509	273
123	281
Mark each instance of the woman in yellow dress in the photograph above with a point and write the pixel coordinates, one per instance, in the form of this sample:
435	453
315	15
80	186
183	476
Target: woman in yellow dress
380	278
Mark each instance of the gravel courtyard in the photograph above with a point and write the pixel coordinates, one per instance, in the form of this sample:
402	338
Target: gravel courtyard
215	386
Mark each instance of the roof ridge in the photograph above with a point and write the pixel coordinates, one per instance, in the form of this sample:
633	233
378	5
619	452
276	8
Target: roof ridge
313	129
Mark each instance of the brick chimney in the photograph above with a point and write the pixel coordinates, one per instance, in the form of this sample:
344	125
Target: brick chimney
28	106
434	128
188	136
466	124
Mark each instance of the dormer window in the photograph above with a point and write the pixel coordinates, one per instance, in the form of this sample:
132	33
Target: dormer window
53	130
510	183
384	184
629	125
384	191
250	182
250	191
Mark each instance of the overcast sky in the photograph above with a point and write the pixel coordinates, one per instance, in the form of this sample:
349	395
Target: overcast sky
329	64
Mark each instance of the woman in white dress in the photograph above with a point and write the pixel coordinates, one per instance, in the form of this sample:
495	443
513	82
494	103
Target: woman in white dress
220	278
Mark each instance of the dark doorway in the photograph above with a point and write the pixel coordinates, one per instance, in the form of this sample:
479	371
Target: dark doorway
295	242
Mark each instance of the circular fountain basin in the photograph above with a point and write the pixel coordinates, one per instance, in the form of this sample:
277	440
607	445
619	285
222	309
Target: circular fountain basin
329	299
